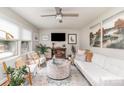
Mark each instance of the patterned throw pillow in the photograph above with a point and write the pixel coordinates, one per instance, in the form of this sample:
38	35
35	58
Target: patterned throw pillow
89	56
29	62
80	55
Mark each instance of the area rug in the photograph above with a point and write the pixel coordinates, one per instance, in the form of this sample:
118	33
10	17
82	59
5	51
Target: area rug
75	79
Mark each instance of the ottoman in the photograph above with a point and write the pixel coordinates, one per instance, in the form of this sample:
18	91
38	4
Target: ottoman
58	70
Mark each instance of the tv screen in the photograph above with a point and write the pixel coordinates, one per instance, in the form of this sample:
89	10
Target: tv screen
57	36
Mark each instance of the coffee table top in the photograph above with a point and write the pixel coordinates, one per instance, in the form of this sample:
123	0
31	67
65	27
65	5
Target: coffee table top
58	70
58	61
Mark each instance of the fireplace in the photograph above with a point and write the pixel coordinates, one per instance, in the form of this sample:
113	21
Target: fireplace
59	52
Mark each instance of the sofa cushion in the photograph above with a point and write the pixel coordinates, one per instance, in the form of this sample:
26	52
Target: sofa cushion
80	55
113	81
99	59
88	71
98	76
115	66
30	62
81	52
33	68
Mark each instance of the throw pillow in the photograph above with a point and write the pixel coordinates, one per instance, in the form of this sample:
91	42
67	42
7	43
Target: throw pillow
81	52
80	57
29	62
89	56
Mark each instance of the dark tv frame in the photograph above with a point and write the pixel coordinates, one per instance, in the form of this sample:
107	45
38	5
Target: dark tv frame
58	40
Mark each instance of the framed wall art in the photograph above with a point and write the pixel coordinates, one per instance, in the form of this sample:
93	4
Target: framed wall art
72	38
95	36
113	33
45	37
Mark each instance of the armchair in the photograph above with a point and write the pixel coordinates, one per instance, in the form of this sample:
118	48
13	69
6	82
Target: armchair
20	63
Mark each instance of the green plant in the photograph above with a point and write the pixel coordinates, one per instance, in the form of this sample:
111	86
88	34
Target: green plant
17	75
42	48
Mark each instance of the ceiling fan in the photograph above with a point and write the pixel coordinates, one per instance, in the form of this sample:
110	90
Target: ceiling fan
59	15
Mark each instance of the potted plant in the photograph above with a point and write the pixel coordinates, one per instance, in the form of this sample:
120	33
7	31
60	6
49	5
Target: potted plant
42	49
17	75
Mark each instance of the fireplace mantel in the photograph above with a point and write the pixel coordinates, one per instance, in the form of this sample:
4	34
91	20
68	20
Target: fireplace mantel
59	52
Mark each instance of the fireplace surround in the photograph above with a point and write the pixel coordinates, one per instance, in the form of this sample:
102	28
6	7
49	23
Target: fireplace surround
59	52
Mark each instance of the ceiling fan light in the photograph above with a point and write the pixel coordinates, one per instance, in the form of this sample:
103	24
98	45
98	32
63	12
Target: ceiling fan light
59	17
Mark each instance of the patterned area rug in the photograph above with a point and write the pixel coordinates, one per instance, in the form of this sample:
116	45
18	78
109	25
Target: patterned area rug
75	79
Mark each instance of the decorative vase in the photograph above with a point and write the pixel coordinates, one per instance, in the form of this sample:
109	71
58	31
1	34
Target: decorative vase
54	60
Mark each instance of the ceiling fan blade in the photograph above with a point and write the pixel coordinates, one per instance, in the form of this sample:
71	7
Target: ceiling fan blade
47	15
58	10
70	15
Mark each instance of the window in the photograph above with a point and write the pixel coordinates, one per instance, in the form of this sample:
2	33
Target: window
8	27
8	48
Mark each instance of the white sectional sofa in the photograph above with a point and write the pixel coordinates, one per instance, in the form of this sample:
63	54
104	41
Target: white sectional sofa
102	71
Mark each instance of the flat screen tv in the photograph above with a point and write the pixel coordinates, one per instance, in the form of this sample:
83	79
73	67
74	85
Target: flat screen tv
57	36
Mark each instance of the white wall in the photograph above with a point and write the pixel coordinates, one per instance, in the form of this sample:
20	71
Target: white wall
18	26
59	44
84	40
11	16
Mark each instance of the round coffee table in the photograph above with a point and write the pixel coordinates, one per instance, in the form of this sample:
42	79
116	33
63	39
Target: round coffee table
58	70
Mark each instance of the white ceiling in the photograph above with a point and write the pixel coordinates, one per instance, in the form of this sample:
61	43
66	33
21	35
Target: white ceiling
86	15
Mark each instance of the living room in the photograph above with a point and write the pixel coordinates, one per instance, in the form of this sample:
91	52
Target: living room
62	46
